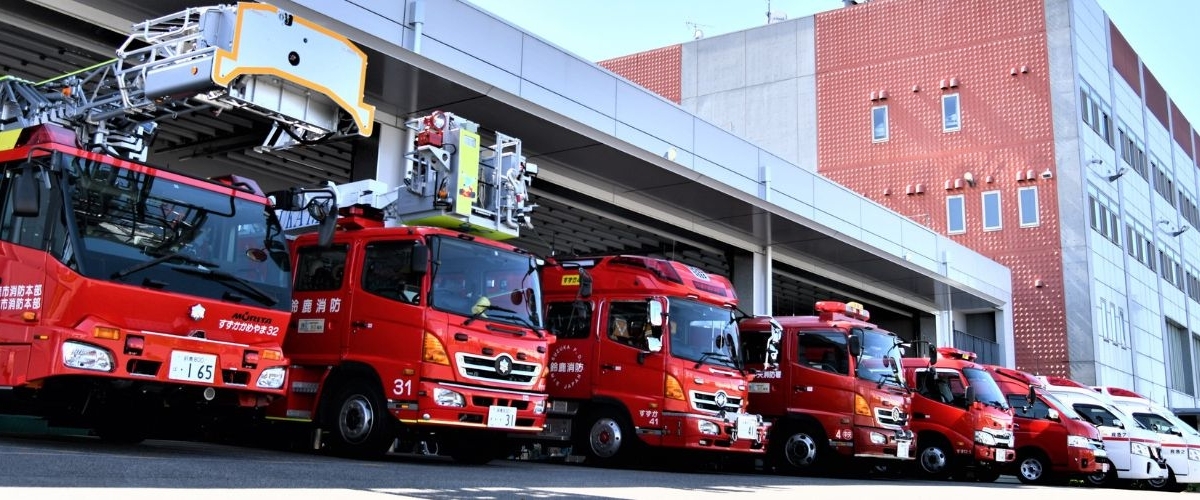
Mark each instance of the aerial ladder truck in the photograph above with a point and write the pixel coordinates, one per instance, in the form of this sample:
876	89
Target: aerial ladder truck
415	328
132	295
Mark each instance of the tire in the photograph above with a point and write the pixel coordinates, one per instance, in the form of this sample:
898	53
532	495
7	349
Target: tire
358	422
1032	468
1165	484
608	438
935	458
989	475
800	450
1102	479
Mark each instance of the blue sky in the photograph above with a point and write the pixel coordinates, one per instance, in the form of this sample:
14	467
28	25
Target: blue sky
1166	33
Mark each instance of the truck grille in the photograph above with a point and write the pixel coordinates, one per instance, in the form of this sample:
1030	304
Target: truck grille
891	416
1097	444
477	367
707	401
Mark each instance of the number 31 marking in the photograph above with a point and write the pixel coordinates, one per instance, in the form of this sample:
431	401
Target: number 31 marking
402	387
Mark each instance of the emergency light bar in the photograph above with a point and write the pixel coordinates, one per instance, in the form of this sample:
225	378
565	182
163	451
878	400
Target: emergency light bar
955	353
1117	391
1063	381
851	309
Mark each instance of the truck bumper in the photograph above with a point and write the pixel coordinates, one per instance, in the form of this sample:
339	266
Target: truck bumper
993	454
706	432
872	442
473	407
1141	467
1083	461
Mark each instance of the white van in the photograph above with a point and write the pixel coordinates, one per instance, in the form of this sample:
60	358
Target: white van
1181	442
1134	451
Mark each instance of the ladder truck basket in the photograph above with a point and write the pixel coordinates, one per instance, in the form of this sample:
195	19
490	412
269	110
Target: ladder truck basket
255	57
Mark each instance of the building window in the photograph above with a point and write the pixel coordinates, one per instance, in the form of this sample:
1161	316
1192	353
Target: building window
991	211
1095	113
1104	219
956	217
879	123
1180	353
1027	205
951	116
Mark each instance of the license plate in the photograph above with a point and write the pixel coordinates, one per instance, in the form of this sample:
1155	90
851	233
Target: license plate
1000	455
902	449
747	427
502	416
192	367
760	387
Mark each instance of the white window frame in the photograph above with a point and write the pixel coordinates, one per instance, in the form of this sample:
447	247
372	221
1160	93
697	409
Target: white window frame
999	210
1022	208
962	212
957	110
887	134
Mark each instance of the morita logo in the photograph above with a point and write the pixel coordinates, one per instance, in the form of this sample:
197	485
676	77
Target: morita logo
246	316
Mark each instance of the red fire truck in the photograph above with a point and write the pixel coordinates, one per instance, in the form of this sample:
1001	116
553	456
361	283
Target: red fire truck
428	335
128	290
645	358
962	420
832	387
1054	444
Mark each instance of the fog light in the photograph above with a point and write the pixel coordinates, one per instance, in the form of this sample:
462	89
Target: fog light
877	438
539	407
447	397
708	428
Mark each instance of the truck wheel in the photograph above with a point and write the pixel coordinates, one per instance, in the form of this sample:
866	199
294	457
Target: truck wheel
799	450
1033	468
609	437
358	422
989	475
1102	479
934	458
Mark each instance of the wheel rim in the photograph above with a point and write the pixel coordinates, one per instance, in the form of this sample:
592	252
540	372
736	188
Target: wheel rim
1031	469
800	450
356	419
605	438
1097	478
1158	483
933	460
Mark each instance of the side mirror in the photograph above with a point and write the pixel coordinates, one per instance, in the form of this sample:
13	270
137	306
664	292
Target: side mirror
328	221
1030	397
419	263
655	310
970	395
585	284
1118	423
933	355
855	345
27	201
1052	414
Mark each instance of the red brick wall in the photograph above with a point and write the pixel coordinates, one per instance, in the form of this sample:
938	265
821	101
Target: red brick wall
657	70
1125	60
896	45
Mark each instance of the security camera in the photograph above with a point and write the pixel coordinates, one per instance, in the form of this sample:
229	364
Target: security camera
1047	174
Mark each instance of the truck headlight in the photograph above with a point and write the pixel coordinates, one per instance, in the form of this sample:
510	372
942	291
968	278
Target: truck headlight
86	357
1194	454
877	438
1139	449
708	428
985	438
1078	442
447	397
271	378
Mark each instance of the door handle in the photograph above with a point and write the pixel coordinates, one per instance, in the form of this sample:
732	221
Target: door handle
362	324
611	367
1016	426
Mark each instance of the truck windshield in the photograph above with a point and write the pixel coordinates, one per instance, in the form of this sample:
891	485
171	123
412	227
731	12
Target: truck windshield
703	333
471	278
880	358
986	389
137	228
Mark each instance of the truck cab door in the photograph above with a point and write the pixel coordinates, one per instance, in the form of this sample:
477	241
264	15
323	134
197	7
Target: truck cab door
386	316
572	355
320	305
1033	425
625	369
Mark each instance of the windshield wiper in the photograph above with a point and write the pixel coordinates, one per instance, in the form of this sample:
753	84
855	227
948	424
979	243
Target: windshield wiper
512	315
717	355
257	292
888	376
159	260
